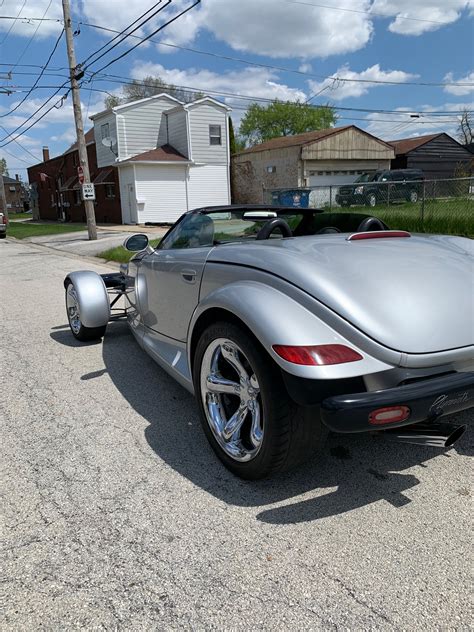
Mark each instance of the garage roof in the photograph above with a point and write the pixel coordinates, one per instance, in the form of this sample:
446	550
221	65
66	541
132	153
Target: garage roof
405	145
304	139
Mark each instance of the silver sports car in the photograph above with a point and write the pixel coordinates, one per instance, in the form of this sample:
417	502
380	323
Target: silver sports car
289	322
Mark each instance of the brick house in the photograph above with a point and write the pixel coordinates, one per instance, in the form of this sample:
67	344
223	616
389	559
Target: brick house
55	185
15	194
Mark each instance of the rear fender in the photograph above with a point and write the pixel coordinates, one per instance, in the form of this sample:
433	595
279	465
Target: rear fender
94	305
275	318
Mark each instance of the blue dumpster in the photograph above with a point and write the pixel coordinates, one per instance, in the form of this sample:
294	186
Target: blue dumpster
298	198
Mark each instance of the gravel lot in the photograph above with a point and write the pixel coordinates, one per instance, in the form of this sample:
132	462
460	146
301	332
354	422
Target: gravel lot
117	515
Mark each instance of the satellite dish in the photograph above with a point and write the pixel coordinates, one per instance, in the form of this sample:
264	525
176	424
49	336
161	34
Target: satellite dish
109	142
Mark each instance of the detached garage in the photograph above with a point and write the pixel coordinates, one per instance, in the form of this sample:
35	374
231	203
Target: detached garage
321	158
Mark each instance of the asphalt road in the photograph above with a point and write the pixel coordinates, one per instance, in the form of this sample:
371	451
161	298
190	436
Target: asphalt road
117	516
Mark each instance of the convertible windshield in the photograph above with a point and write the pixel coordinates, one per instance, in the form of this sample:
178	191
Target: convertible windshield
207	228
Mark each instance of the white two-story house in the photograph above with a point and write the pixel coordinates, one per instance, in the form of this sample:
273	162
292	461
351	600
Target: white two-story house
171	157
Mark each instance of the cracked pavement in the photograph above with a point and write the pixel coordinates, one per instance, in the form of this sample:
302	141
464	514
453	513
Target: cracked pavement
116	515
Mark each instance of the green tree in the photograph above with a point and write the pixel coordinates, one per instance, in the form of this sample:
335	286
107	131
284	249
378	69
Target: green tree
235	143
148	87
283	118
3	167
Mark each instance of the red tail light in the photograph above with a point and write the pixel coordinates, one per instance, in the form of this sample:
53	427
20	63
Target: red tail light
389	415
317	355
378	234
4	219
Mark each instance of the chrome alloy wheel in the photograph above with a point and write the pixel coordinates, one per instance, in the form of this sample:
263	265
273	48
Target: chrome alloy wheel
231	398
72	306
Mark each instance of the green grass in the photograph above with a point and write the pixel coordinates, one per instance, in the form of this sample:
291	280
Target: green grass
120	254
22	230
19	215
448	217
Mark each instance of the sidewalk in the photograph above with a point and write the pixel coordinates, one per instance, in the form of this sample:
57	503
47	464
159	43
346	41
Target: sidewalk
107	237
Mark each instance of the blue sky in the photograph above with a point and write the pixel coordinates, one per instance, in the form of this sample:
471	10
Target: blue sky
359	42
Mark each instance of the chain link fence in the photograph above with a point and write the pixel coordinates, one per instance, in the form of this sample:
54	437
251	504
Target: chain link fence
429	206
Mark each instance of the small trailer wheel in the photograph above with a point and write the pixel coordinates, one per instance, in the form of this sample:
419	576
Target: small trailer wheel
79	331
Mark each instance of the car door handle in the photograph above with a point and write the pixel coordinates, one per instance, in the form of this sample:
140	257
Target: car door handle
189	275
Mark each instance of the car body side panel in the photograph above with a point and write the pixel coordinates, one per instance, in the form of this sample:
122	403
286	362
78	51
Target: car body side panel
276	318
94	304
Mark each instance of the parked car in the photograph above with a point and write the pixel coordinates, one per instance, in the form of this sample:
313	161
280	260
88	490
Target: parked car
3	225
383	187
289	322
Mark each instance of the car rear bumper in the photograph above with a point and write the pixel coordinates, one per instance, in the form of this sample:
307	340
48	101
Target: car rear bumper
427	400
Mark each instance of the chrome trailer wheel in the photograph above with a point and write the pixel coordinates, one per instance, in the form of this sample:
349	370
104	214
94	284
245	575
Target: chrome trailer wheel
251	422
231	398
73	309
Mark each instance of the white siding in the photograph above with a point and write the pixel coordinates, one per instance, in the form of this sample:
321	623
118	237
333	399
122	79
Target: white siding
200	117
208	185
144	126
177	131
161	192
105	156
127	194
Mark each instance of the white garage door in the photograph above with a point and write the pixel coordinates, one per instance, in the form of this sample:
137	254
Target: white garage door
326	178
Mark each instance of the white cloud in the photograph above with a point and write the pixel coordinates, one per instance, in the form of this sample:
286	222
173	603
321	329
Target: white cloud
337	90
425	15
256	82
26	28
266	27
459	90
305	67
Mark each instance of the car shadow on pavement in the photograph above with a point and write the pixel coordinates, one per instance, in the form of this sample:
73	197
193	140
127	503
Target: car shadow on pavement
354	471
65	337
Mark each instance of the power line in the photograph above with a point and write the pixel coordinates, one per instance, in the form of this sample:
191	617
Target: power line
127	52
107	44
13	23
38	78
25	149
279	68
32	37
36	112
371	13
129	81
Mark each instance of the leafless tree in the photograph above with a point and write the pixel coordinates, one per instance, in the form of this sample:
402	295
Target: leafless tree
466	128
148	87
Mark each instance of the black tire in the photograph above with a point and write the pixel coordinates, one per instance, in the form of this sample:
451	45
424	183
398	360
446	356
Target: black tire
291	434
3	235
84	334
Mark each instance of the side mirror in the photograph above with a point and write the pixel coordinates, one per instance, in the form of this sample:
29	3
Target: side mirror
136	243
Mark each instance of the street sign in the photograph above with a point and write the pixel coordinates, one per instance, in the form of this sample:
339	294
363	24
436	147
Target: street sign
80	175
88	191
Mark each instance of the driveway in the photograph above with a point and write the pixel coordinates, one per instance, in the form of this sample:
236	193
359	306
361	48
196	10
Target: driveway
117	515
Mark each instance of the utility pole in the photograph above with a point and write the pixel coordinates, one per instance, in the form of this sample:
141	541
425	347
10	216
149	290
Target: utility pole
76	101
3	200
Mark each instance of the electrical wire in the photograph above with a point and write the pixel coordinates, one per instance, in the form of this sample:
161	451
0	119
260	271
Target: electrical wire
145	39
32	37
25	149
38	78
371	13
107	44
13	24
279	68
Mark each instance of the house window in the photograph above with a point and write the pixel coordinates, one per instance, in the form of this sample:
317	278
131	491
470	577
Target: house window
271	169
75	159
12	189
104	131
215	135
77	197
110	191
